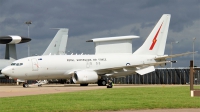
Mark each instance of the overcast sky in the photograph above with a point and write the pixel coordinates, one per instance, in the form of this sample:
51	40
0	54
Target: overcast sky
87	19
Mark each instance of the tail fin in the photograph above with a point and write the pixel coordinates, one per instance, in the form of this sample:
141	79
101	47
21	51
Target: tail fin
58	44
156	41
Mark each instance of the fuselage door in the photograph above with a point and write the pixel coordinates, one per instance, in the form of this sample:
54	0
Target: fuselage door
88	63
34	64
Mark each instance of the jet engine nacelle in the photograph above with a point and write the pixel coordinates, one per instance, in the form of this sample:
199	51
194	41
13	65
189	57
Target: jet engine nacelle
85	76
13	39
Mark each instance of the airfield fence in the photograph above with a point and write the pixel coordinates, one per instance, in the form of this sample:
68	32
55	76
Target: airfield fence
159	76
5	81
13	81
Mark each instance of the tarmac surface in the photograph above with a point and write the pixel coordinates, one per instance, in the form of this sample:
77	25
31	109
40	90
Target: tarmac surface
12	91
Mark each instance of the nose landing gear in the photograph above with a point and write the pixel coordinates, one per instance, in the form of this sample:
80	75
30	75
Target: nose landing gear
25	85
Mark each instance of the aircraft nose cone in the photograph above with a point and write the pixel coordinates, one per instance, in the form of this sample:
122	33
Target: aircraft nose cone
6	71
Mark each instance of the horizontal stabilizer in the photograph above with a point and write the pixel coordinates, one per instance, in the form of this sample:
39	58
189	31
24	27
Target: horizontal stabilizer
175	55
145	70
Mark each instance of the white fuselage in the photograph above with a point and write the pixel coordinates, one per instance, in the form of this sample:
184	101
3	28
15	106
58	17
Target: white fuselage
110	60
62	66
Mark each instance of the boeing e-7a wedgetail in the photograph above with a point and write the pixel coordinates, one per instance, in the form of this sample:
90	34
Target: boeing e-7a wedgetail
10	50
86	69
56	47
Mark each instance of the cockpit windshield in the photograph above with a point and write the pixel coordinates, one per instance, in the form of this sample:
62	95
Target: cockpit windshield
13	64
16	64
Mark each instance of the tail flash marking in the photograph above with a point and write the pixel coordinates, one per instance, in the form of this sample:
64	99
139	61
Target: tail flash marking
154	39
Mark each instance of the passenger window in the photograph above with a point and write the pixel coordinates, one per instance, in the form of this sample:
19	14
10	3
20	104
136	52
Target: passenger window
21	64
17	64
13	64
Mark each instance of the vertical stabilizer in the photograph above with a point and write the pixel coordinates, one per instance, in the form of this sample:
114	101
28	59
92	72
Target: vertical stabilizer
58	44
156	41
10	52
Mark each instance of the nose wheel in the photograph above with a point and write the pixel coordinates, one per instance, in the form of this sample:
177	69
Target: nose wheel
25	85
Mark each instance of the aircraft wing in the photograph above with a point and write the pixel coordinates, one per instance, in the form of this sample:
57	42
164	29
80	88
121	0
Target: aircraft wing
142	65
175	55
127	70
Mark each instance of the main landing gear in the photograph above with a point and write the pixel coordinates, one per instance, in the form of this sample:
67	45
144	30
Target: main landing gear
39	83
25	85
86	84
101	82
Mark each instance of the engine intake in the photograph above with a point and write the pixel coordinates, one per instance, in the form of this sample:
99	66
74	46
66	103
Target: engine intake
85	76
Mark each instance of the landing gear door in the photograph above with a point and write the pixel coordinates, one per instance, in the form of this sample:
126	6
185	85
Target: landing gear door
34	64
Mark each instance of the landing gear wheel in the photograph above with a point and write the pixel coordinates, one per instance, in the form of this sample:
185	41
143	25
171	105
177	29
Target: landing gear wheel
40	85
25	85
101	82
83	84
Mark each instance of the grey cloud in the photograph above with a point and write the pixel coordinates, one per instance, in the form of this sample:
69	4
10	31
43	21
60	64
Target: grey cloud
180	23
154	3
147	25
135	31
89	17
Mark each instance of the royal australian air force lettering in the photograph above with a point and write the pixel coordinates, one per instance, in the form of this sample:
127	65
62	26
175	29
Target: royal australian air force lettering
95	62
86	62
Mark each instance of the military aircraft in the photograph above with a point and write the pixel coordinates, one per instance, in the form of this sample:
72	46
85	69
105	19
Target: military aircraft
86	69
56	47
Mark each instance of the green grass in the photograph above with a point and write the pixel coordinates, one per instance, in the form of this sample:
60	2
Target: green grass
197	87
104	99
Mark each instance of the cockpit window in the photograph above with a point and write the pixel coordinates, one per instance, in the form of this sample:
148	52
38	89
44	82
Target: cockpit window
16	64
13	64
